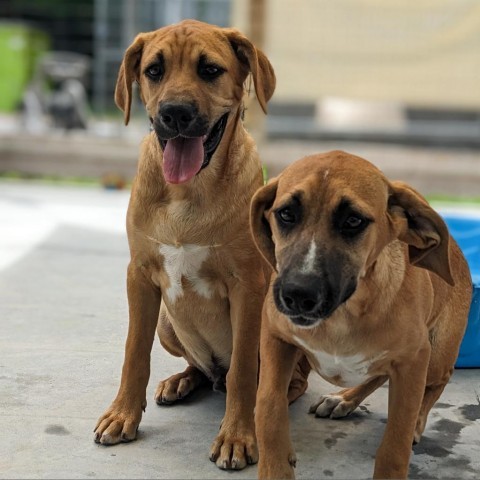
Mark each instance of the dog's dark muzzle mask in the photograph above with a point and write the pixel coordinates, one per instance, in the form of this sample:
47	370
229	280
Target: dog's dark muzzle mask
308	298
187	139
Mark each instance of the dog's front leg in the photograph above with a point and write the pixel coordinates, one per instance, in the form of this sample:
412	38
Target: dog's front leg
406	390
235	445
120	422
277	362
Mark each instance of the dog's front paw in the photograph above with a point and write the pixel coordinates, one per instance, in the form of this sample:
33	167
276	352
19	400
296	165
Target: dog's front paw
275	466
118	424
234	449
333	406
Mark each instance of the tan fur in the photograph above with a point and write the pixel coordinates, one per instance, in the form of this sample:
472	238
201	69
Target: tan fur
210	211
406	322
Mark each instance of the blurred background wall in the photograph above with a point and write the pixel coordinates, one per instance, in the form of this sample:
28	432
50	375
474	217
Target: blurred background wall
372	69
425	53
101	29
388	72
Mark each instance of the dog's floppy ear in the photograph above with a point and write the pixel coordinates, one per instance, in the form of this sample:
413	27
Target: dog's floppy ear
259	226
262	71
422	229
127	74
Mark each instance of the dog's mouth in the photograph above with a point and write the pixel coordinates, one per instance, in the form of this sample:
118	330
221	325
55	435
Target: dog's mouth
305	322
300	319
184	157
322	314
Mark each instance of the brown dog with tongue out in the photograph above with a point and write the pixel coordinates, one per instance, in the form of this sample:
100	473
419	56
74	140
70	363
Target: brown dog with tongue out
195	274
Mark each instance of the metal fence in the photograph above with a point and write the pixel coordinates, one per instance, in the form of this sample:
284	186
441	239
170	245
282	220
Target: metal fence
116	22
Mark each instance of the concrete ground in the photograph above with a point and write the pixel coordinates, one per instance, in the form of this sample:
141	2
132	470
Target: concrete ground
63	318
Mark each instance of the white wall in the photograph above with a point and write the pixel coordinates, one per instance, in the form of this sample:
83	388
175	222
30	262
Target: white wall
425	53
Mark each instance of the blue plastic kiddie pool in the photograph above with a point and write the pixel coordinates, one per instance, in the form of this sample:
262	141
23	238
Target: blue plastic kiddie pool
464	227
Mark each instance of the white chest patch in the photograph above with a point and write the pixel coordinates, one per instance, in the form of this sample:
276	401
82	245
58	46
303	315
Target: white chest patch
185	261
352	370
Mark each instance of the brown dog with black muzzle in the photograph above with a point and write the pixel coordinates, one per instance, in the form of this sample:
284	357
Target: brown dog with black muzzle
194	270
369	285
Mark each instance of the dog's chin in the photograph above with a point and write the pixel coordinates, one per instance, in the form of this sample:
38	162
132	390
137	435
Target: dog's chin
316	318
211	140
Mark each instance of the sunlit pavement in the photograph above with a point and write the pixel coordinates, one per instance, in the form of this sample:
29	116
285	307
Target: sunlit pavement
63	320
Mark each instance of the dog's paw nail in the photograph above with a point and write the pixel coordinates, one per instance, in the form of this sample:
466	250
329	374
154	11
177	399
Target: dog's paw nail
224	465
250	460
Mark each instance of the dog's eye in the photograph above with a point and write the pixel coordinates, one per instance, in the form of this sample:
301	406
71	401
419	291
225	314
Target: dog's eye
348	221
353	222
289	215
154	71
210	71
286	215
354	225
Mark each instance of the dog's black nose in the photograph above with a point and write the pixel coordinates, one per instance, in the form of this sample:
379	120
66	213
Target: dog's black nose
300	296
177	116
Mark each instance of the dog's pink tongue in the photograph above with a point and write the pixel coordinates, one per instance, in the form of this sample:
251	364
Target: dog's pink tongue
182	159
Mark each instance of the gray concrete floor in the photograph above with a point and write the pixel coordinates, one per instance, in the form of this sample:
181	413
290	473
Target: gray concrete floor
63	319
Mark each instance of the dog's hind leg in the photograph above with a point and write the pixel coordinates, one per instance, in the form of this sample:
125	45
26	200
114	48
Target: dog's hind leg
445	340
432	393
440	369
299	381
177	386
166	334
344	402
